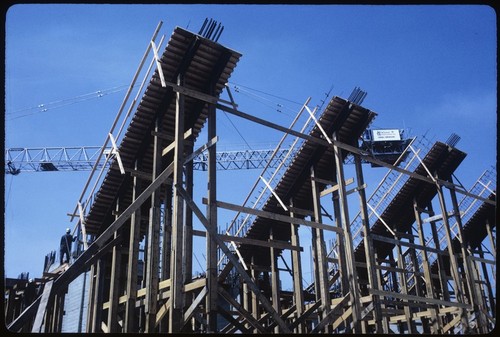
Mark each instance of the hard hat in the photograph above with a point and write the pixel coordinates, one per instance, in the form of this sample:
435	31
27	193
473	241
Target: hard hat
68	230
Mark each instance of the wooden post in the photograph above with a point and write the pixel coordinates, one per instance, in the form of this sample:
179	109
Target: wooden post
321	261
492	239
153	248
255	303
435	319
130	324
176	268
212	278
486	278
114	285
166	248
453	259
298	295
245	295
475	297
340	240
385	318
441	270
188	230
91	297
368	244
97	300
404	288
275	279
349	249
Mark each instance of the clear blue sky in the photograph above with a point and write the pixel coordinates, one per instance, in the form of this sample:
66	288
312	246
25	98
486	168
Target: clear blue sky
426	68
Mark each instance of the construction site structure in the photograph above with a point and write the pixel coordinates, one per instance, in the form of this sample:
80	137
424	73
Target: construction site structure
417	256
83	158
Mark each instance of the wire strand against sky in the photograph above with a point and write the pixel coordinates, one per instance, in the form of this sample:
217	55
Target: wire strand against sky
266	93
44	107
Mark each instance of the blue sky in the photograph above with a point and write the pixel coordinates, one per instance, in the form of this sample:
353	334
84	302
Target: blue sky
429	69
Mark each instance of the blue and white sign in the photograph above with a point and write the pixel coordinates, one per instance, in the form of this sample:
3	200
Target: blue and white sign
385	135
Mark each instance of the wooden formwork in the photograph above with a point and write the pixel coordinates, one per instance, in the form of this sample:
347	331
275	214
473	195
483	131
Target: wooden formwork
383	275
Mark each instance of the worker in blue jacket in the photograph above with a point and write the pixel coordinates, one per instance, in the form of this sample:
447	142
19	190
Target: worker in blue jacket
65	247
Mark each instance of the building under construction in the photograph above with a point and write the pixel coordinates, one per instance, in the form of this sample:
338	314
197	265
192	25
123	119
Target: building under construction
416	256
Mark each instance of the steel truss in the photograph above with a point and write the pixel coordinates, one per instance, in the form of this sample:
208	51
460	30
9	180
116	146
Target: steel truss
379	276
83	158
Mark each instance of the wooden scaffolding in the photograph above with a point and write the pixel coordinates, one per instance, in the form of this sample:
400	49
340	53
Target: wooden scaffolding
402	264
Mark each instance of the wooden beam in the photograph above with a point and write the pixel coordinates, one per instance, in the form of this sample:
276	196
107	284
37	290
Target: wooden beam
270	243
420	299
42	308
243	273
334	187
188	314
364	155
404	243
301	319
334	313
275	216
236	324
244	313
172	145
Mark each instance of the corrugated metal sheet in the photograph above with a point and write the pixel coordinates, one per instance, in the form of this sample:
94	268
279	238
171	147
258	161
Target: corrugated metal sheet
203	63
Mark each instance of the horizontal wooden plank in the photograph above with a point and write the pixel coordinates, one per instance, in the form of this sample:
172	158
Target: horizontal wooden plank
275	216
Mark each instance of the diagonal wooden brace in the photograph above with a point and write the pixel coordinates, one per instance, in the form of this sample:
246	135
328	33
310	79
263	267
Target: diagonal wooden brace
265	302
116	153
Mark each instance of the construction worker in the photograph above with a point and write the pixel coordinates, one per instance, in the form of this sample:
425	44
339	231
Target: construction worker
65	247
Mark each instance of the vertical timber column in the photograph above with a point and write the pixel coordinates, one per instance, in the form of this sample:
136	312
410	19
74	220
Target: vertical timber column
275	279
385	318
441	270
487	284
96	318
255	303
368	243
153	247
341	240
245	294
188	227
475	296
404	286
492	239
166	248
298	295
133	259
188	234
321	258
435	319
176	268
114	282
90	300
349	249
459	294
167	234
211	298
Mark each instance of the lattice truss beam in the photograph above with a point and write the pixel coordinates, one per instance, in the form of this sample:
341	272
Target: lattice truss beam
84	158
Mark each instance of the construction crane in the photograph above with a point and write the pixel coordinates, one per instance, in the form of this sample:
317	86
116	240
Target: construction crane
47	159
384	144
